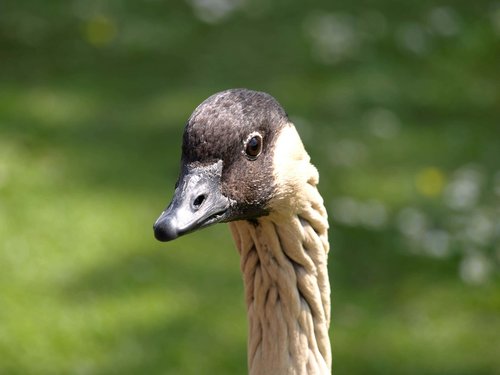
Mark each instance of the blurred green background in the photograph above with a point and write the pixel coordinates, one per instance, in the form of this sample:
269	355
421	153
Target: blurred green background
398	104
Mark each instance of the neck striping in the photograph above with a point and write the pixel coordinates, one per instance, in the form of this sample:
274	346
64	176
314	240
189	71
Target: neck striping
284	266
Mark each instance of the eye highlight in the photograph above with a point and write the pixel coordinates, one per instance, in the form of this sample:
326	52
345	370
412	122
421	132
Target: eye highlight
253	146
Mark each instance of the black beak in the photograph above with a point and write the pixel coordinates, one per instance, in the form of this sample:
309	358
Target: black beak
197	203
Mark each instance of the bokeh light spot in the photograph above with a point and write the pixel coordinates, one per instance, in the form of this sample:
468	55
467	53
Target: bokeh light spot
444	21
333	36
412	222
413	37
464	189
475	268
430	181
383	123
495	20
214	11
100	31
351	212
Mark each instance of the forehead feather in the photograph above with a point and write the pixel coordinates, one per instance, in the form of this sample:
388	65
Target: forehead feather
223	121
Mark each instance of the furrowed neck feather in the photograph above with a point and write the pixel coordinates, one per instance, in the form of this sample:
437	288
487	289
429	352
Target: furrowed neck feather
284	266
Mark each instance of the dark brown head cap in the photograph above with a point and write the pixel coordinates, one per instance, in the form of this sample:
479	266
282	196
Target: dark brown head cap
218	130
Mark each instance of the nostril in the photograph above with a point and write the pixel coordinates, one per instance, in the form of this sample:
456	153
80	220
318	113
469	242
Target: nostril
199	201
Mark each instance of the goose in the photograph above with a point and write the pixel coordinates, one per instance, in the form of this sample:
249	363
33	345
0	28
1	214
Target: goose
244	163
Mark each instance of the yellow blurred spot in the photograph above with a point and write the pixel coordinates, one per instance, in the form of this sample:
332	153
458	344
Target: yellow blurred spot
99	31
430	181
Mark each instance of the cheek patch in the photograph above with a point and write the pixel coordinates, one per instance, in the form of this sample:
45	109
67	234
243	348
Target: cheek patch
292	170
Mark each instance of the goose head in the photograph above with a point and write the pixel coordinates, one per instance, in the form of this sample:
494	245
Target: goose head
229	163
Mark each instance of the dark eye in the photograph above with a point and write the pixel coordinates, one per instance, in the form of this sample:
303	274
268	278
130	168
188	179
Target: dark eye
254	146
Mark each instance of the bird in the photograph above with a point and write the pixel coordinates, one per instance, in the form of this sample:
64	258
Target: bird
243	163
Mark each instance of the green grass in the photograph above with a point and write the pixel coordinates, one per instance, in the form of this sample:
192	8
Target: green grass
93	98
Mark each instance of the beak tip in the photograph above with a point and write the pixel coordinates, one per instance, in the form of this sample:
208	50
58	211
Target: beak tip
165	231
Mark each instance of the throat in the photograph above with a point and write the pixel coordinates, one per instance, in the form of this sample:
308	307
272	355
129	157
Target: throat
284	266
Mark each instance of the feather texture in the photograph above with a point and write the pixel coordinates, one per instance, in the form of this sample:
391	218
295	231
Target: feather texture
284	266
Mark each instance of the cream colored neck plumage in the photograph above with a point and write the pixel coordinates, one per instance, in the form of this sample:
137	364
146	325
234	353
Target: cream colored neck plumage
284	266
